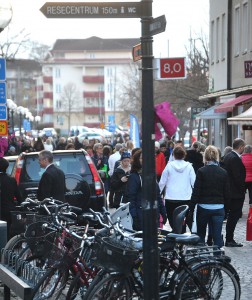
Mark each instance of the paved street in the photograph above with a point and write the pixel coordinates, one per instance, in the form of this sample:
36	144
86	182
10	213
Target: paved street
241	257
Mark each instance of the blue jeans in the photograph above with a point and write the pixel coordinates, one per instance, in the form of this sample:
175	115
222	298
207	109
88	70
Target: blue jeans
213	216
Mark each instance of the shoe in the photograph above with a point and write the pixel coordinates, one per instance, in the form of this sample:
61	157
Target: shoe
233	244
111	206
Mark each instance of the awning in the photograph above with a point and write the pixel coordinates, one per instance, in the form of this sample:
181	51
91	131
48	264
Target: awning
229	105
244	118
209	114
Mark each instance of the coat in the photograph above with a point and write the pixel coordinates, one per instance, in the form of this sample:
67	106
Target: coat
237	174
160	163
134	194
10	196
247	161
52	184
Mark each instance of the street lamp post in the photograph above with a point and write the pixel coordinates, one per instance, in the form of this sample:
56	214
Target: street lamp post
5	14
37	120
20	112
11	107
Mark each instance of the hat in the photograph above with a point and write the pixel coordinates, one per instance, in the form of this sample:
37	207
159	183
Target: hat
12	149
125	155
4	164
157	145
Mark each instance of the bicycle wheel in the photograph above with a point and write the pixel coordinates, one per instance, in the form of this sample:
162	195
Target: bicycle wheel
14	245
212	280
112	287
51	285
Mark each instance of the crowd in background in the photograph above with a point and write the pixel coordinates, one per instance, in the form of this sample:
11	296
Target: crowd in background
211	183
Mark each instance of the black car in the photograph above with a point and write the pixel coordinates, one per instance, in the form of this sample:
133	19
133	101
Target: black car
84	187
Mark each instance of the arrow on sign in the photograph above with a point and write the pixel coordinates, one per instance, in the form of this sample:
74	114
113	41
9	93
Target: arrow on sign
157	25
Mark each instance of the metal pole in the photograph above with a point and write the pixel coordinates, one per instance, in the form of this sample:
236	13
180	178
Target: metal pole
150	248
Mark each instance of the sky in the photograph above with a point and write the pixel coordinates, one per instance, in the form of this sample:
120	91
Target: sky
184	18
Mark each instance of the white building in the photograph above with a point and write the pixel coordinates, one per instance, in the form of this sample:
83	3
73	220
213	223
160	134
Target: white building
82	81
230	71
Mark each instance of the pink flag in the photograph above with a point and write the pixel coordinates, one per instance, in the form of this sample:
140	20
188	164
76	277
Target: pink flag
168	120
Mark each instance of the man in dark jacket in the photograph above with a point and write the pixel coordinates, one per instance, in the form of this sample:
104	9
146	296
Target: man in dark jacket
194	156
52	182
237	174
10	195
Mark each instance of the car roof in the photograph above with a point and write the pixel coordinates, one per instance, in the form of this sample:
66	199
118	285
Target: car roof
13	157
55	151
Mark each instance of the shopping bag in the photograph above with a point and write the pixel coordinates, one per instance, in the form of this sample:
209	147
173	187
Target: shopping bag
249	226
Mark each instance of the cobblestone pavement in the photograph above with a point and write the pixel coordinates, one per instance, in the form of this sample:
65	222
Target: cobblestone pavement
241	257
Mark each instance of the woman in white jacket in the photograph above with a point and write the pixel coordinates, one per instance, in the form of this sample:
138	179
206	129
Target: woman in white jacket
176	183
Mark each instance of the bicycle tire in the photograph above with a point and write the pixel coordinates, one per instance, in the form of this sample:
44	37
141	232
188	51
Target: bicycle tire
219	279
51	285
15	244
111	287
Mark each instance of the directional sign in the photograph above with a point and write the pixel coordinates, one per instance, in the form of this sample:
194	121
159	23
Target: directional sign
92	9
2	93
2	69
3	128
137	52
157	25
3	112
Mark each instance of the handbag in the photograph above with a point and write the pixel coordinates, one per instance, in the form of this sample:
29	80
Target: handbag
249	226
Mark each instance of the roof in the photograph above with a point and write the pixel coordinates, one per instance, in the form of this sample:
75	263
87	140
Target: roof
23	64
244	118
94	43
229	105
209	114
226	92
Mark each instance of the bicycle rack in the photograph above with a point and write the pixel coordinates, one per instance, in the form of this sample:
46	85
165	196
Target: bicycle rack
23	284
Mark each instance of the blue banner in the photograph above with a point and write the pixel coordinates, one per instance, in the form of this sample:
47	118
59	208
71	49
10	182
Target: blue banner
134	131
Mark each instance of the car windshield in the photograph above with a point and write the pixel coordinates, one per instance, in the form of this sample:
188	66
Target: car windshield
74	163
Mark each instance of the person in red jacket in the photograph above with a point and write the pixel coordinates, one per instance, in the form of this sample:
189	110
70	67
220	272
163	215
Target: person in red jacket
160	161
247	161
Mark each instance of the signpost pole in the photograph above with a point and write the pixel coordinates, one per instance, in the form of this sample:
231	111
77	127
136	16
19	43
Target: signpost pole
150	249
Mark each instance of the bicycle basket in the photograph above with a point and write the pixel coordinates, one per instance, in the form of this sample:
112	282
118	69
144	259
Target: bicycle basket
39	238
114	255
20	220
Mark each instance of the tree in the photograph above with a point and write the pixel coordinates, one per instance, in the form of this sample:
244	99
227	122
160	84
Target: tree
130	96
38	51
184	93
13	44
70	102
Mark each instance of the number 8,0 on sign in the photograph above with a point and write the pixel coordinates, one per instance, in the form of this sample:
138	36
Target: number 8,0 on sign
172	68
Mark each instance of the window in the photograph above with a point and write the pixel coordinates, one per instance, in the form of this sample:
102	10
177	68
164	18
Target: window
212	42
58	88
245	25
237	31
58	104
57	73
60	120
223	37
92	55
217	39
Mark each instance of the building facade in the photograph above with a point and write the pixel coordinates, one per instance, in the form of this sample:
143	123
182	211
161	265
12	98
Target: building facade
83	81
230	71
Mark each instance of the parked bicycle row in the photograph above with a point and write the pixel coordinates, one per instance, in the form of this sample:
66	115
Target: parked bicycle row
64	253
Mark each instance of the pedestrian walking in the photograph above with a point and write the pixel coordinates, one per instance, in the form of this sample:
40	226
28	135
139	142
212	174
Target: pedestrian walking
194	156
52	182
211	193
247	161
237	175
10	195
134	194
119	179
176	183
160	161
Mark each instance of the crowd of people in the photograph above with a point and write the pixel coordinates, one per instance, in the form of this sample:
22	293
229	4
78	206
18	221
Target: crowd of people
212	184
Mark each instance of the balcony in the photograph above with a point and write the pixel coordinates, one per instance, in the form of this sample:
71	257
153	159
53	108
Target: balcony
48	79
93	79
99	94
48	95
94	110
48	110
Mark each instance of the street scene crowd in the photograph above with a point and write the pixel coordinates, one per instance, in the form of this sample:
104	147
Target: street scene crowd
211	183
